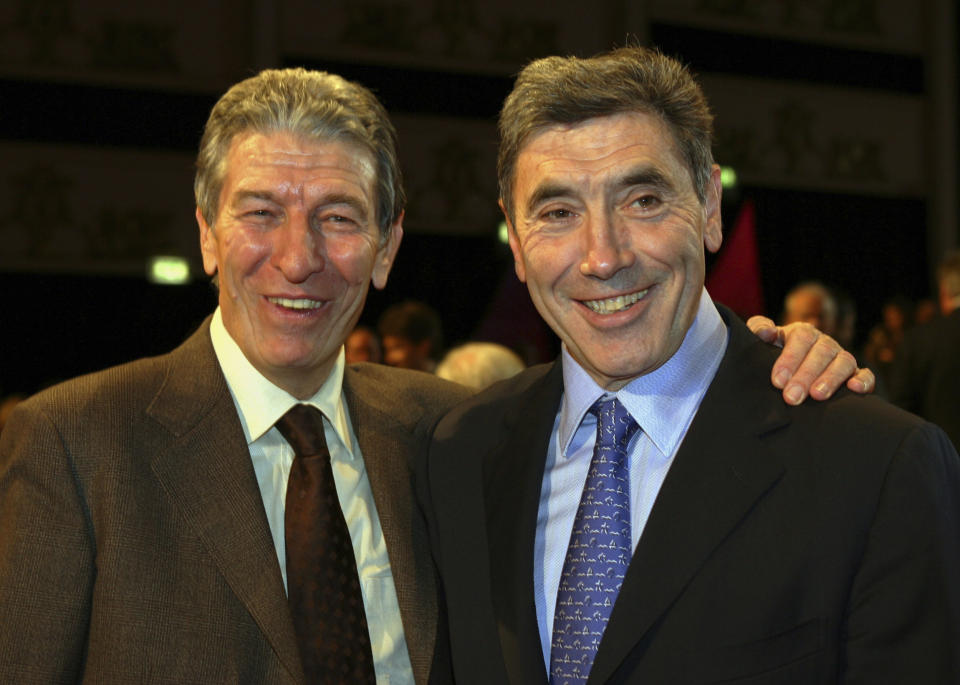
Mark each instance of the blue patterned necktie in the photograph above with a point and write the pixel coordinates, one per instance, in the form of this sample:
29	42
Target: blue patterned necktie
599	551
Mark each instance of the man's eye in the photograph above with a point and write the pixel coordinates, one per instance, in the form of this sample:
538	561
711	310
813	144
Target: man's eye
260	213
647	202
338	222
557	214
338	219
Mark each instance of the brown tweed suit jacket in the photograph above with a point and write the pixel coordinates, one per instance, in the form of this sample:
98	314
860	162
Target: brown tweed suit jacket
134	546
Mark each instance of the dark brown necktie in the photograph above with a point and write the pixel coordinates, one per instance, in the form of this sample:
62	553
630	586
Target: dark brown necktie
323	588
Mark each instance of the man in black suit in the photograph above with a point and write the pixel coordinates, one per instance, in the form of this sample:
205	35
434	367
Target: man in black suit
647	509
926	369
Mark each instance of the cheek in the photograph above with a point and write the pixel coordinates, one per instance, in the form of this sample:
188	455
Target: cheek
546	260
242	254
673	246
352	257
690	233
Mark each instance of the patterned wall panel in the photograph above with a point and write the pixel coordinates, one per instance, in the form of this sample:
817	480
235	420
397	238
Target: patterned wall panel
882	25
450	174
470	35
818	138
106	210
175	42
88	210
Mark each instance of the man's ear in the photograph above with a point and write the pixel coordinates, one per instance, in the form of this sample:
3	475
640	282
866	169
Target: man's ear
386	254
713	230
514	241
208	244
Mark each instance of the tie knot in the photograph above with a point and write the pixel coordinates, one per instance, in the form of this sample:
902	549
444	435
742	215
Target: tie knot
615	426
302	427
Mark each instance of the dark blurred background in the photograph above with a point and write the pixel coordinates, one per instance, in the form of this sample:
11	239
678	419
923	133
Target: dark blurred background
838	119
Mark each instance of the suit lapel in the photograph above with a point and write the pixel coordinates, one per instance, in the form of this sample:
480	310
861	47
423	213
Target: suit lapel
513	473
388	447
207	474
719	472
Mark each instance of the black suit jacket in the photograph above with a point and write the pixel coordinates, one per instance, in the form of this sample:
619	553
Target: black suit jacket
134	546
815	544
925	376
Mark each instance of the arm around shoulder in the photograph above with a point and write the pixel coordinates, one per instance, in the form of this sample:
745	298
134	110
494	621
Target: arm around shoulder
46	554
904	614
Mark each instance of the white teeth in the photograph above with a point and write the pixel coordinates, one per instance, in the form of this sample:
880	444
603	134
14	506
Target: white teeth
295	304
614	304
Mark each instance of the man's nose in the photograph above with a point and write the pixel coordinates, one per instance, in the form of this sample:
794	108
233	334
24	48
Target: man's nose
606	249
298	249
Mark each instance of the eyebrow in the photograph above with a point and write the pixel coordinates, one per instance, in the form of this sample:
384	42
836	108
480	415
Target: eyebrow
346	199
243	195
326	201
547	191
644	176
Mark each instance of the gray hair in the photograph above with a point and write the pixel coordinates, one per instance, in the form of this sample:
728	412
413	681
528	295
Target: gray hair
314	104
569	90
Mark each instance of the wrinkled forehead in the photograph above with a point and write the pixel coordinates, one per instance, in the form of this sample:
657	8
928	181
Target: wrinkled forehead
291	156
289	140
623	128
603	148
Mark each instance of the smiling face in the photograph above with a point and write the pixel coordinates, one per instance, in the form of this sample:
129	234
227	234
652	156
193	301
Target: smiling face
296	245
609	236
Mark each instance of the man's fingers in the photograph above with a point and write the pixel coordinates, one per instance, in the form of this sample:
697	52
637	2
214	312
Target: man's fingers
863	382
813	364
765	329
819	365
839	370
805	354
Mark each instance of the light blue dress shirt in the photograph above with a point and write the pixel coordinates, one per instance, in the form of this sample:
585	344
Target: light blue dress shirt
662	402
259	405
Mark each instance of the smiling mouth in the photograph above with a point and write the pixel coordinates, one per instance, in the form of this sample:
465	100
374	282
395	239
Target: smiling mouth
299	303
612	305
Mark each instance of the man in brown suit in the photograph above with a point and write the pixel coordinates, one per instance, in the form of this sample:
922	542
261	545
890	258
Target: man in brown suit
142	508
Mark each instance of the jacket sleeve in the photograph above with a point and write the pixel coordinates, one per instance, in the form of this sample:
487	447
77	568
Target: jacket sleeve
903	621
46	554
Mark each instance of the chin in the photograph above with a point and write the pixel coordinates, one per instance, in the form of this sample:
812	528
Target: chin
295	359
626	370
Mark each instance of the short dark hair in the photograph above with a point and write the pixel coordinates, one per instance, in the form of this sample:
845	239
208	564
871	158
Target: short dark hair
569	90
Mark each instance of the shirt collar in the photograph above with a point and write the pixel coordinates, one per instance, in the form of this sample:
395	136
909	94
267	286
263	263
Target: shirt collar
664	401
260	403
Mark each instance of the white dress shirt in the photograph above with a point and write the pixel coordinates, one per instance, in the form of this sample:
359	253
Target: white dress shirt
662	402
260	404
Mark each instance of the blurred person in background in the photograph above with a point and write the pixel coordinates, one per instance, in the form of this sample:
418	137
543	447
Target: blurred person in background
479	364
412	336
885	338
813	303
925	374
362	345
